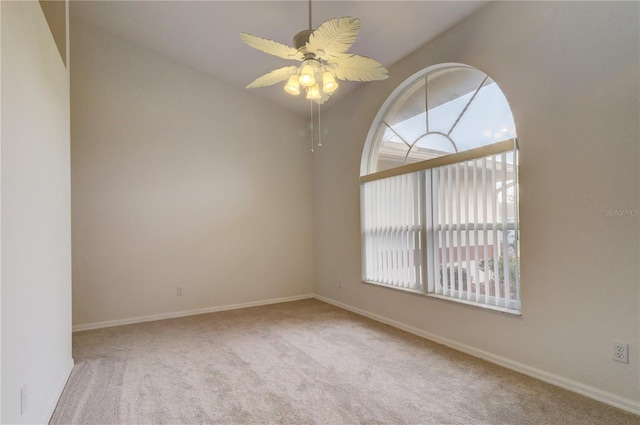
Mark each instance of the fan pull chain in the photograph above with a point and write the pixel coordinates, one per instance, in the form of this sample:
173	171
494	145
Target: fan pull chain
319	128
311	126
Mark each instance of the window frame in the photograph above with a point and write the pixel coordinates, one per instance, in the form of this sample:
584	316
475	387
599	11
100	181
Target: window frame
425	225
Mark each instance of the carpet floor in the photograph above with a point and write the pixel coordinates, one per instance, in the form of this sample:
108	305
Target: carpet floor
303	362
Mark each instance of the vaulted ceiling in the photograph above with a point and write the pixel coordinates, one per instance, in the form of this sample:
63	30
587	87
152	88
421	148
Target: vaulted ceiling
204	34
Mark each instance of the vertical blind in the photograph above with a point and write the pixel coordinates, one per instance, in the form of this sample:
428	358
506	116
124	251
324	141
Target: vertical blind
446	227
393	231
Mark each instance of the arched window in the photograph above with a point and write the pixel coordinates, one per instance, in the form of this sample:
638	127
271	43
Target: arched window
439	190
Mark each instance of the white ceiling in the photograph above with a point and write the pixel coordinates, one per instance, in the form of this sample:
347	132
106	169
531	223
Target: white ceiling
204	34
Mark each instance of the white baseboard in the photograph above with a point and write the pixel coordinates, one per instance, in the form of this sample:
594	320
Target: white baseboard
557	380
51	406
173	315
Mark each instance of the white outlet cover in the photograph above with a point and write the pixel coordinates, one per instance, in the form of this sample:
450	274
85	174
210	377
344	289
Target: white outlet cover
621	352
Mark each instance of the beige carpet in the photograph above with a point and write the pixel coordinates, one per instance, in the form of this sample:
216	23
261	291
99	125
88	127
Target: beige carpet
303	362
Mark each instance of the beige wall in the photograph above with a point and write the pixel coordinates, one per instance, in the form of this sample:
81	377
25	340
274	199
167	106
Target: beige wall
179	180
55	12
35	216
570	73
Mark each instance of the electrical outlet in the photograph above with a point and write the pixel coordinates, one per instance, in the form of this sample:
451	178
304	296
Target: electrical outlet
23	400
621	352
179	291
339	283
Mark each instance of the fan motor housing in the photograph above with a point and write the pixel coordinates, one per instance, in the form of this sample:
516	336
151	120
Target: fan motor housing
300	40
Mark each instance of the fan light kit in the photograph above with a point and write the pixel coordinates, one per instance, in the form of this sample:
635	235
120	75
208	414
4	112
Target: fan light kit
324	58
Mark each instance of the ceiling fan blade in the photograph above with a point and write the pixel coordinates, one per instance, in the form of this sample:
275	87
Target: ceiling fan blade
334	37
273	77
359	68
271	47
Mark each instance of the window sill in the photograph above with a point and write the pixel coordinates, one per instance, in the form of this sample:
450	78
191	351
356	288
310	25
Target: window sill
475	304
507	310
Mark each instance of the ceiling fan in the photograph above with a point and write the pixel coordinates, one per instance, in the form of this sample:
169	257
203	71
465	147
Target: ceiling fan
324	56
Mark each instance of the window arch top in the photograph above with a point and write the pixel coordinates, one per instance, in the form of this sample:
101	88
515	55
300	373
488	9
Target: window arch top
440	110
